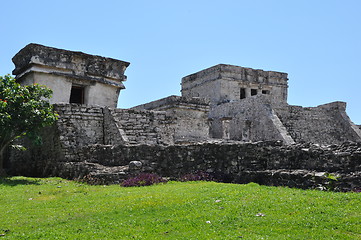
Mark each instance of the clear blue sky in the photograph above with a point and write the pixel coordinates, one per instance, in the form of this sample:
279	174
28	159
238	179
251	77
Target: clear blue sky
318	43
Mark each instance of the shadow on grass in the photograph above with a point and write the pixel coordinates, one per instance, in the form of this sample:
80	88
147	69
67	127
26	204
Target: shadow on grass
9	181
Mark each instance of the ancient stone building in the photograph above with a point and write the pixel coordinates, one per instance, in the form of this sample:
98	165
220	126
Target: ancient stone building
74	77
221	102
251	105
216	125
226	83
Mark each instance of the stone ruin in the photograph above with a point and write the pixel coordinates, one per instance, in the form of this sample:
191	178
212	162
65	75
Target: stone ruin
75	77
231	122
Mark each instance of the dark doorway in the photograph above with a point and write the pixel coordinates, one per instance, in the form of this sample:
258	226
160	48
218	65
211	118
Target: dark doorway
77	95
243	93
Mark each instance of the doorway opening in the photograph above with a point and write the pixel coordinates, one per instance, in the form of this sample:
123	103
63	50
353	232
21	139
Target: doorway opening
243	93
77	95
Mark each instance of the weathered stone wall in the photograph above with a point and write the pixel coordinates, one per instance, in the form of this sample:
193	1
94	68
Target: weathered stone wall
113	134
298	165
189	116
271	163
79	126
140	126
231	157
258	119
252	119
326	124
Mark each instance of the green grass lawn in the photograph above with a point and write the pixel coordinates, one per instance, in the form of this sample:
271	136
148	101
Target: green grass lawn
54	208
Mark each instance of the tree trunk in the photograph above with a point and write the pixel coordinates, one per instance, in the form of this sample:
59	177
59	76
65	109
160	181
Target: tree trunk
6	141
2	171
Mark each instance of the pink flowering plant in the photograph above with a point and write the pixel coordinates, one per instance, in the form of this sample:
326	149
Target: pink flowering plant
143	179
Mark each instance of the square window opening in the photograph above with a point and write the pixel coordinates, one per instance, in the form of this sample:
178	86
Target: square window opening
253	92
77	95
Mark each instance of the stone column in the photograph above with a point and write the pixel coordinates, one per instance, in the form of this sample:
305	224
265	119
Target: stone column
248	92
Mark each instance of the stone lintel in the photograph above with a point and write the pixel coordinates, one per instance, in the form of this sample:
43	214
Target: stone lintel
35	68
70	63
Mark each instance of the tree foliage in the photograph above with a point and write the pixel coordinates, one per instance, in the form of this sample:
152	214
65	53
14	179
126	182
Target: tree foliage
24	110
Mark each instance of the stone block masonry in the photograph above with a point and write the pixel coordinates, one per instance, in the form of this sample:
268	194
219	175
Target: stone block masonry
326	124
79	126
149	127
190	116
224	83
251	105
222	102
270	163
253	119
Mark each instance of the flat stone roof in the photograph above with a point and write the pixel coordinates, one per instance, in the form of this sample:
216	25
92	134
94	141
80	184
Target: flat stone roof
225	70
68	62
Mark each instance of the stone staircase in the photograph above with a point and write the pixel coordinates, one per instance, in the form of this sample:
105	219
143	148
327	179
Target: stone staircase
324	127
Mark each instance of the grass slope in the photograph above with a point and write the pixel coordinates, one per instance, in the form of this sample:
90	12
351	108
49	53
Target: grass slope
54	208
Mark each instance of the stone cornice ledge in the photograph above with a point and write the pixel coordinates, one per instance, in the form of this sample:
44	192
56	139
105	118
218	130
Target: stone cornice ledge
69	62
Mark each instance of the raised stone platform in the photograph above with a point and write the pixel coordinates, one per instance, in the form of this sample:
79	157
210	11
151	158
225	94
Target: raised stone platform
270	163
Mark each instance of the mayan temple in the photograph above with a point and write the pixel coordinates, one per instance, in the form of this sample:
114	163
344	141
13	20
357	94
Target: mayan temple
229	120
